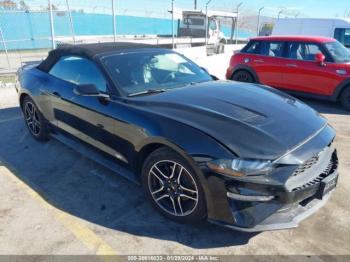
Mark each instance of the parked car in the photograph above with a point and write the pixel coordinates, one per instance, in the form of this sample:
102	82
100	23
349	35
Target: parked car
202	149
315	67
338	28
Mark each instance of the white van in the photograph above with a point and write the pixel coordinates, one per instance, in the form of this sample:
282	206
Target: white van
335	28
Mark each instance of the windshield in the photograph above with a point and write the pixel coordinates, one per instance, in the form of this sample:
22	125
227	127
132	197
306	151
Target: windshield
148	71
339	52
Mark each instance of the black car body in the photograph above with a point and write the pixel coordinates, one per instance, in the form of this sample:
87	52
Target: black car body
288	164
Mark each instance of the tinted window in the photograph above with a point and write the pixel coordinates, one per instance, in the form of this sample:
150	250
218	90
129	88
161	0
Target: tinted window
271	49
193	21
253	48
343	36
79	70
303	51
142	71
265	48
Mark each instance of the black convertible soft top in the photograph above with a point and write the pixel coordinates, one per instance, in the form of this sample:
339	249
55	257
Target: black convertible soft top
89	51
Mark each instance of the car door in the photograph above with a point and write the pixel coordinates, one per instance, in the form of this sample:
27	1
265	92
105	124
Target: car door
266	59
302	73
84	117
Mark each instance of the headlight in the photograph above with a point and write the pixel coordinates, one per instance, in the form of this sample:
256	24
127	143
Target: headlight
240	167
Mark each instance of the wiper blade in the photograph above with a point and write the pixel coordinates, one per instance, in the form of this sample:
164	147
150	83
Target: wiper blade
146	92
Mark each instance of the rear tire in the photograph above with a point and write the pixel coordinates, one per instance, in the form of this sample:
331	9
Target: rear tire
345	98
243	76
34	120
172	186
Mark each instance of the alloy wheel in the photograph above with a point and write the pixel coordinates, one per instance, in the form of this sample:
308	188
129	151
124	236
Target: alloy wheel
32	118
243	77
173	188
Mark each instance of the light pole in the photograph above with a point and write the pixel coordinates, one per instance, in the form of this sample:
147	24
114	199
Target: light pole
206	22
114	23
237	12
258	25
70	21
195	4
172	23
53	43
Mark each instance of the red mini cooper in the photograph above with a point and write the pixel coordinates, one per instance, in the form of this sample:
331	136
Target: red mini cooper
315	67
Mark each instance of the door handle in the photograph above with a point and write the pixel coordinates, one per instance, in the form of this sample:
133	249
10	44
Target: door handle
56	94
291	65
259	61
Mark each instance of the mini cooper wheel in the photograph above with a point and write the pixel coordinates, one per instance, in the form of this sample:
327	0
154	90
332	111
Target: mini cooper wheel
345	98
243	76
34	120
173	187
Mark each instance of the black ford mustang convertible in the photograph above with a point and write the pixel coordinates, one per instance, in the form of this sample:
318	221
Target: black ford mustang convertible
241	155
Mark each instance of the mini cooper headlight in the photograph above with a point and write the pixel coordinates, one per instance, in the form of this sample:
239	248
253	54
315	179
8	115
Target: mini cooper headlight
240	167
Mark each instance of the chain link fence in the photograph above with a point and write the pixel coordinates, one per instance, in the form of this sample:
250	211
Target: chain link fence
30	28
26	33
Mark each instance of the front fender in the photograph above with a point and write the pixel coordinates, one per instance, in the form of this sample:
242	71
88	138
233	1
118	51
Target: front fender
198	148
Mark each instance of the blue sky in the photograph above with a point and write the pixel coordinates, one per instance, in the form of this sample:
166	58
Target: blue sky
305	8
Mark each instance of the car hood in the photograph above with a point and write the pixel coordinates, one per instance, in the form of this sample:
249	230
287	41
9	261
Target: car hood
251	120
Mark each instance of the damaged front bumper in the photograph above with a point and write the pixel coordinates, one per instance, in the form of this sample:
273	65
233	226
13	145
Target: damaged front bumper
282	199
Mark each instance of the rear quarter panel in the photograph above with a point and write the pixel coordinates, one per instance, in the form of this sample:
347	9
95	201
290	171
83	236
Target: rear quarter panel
34	83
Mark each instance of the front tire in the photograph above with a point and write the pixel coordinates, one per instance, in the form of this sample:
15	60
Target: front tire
243	76
34	120
345	98
172	186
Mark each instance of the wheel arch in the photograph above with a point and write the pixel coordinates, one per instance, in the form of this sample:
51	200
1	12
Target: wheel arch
340	89
22	96
151	145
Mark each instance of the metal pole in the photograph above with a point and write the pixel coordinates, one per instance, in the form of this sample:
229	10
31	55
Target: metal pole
114	22
258	25
206	25
195	4
236	31
172	23
5	47
206	22
52	26
71	21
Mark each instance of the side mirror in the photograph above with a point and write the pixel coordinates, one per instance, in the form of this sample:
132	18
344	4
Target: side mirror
215	78
204	69
88	90
320	58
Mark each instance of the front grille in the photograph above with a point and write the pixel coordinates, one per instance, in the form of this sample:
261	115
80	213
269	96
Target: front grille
331	167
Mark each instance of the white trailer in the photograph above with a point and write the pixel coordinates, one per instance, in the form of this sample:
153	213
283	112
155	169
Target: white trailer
335	28
207	25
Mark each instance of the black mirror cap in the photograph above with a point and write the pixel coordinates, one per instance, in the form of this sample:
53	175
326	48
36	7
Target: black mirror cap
86	90
215	78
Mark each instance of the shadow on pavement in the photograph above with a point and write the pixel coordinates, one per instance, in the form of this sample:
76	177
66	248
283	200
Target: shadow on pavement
84	189
326	107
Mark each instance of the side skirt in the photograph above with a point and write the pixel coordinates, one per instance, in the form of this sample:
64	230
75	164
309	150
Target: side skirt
94	155
308	95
